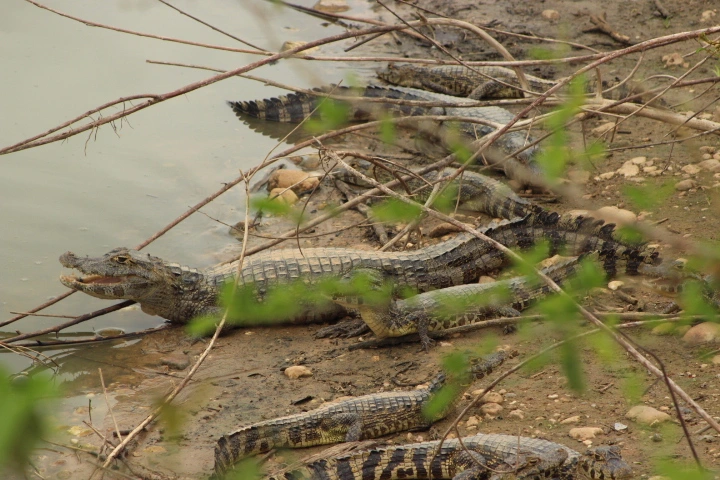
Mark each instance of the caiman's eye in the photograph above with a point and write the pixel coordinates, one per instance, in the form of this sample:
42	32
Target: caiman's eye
122	259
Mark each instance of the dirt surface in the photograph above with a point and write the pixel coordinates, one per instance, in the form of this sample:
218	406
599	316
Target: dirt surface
242	380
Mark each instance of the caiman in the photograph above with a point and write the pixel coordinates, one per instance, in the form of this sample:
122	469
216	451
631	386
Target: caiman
179	293
462	304
482	83
359	418
481	456
515	160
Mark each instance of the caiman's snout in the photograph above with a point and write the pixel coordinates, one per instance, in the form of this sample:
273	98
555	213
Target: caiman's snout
69	260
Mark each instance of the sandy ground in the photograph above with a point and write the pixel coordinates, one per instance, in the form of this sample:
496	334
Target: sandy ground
242	380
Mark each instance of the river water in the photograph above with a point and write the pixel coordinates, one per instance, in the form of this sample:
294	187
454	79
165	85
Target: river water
114	188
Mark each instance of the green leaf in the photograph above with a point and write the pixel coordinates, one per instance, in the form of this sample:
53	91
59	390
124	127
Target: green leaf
246	469
331	114
571	361
388	132
648	197
393	210
270	205
633	387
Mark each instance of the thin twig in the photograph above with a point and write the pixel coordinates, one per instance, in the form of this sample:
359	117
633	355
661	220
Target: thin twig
107	401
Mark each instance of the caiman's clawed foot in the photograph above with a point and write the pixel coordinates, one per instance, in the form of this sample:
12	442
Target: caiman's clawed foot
426	343
344	329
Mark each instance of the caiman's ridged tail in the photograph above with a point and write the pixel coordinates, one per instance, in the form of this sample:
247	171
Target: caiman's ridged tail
292	108
241	443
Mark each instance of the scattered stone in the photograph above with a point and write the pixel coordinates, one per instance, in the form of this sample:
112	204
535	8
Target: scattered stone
707	149
578	213
553	396
290	44
656	437
685	185
297	180
703	333
298	371
176	361
491	409
571	420
707	438
615	284
519	414
619	427
710	165
473	421
585	433
616	215
639	160
486	279
691	169
647	415
716	360
551	14
311	161
580	177
606	175
629	169
443	229
674	59
155	449
492	397
667	328
603	128
284	195
708	16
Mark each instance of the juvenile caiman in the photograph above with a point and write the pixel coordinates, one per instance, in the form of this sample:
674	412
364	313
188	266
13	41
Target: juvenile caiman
179	293
296	107
461	304
477	457
359	418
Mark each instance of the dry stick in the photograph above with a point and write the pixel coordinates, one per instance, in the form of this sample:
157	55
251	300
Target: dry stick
54	344
140	246
586	313
170	397
261	50
377	227
107	401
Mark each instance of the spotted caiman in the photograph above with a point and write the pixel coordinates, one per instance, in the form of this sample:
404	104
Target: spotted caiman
296	107
179	293
477	457
359	418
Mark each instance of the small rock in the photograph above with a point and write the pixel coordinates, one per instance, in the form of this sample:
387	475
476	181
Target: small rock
691	169
708	16
290	44
519	414
603	128
716	360
667	328
616	215
491	409
550	14
443	229
580	177
703	333
707	149
629	169
619	427
298	371
585	433
685	185
606	175
639	160
707	438
646	415
492	397
297	180
311	161
176	361
553	396
473	421
486	279
570	420
656	437
711	165
673	59
578	213
284	195
615	284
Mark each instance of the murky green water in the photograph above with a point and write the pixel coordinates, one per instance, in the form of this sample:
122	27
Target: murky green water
116	188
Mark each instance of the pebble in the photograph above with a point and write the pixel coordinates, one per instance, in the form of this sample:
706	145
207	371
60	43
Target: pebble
473	421
553	396
571	420
519	414
703	333
283	195
606	175
639	160
580	177
691	169
585	433
176	361
711	165
491	409
298	371
615	284
311	161
616	215
603	128
486	279
619	427
332	6
550	14
708	16
492	397
298	180
647	415
685	185
707	149
707	438
290	44
629	169
716	360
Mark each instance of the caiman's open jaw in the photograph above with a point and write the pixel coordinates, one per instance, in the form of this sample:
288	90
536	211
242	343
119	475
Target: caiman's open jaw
102	286
97	279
